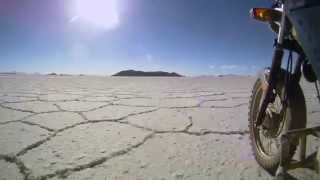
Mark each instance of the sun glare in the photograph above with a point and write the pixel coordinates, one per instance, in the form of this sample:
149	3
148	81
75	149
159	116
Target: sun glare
102	13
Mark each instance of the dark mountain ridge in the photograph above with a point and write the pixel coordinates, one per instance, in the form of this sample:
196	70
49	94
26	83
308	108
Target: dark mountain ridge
147	73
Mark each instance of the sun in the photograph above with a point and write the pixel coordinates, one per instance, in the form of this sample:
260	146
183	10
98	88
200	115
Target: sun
102	13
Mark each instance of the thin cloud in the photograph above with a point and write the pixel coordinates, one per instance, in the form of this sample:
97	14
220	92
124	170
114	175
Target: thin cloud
233	69
229	67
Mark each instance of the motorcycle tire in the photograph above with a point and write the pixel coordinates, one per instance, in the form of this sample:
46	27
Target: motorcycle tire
295	118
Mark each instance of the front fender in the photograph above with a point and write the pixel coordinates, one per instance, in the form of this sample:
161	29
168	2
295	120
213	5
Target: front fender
281	78
264	77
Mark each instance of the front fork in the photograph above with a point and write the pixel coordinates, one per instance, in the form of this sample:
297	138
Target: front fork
268	88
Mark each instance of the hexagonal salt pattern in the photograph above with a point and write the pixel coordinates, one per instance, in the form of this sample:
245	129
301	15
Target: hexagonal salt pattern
91	127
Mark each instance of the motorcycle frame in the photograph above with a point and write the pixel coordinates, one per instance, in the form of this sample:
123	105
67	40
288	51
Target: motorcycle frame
282	44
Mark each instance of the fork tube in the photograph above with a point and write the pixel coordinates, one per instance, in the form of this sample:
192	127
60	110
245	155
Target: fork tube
282	26
272	81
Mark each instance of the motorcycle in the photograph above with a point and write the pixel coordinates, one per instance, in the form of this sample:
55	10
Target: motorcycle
277	110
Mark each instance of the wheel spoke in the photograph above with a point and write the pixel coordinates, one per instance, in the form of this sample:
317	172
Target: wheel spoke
275	146
269	146
264	142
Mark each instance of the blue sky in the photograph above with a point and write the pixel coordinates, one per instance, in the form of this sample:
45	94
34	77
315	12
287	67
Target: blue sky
191	37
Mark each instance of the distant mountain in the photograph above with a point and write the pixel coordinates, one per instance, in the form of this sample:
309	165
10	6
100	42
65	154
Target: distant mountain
12	73
52	74
8	73
143	73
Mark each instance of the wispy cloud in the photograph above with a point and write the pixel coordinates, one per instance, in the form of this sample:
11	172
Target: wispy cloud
230	67
212	66
233	69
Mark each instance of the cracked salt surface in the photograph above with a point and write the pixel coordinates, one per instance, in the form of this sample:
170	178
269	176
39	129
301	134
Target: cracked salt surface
16	136
115	112
162	120
179	156
80	106
129	128
34	106
81	145
56	120
218	119
11	115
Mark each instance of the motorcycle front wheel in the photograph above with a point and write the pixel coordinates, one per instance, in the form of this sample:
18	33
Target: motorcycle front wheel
265	139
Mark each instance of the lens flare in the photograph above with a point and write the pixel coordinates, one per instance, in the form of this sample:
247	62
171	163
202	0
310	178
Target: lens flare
102	13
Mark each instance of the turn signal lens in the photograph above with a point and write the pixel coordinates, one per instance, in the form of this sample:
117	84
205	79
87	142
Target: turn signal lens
265	14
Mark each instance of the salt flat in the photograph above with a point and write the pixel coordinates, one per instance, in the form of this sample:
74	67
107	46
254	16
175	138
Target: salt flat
90	127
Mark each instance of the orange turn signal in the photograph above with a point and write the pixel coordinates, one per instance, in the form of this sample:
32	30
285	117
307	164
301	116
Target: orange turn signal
265	14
